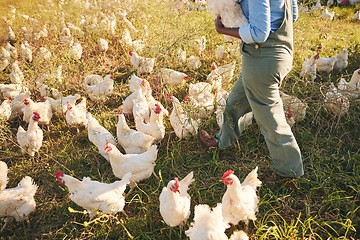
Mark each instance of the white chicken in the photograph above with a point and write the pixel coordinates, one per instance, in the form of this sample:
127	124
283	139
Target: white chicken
172	77
308	70
142	64
198	45
240	202
221	53
44	53
134	82
66	39
324	65
76	114
141	110
175	201
298	108
10	35
12	90
239	235
356	16
103	45
325	14
231	13
12	50
341	60
289	116
17	105
351	88
30	141
18	202
226	71
208	224
59	106
140	165
133	142
193	63
16	75
155	127
181	122
76	51
43	108
47	91
221	97
101	90
5	59
336	102
5	109
128	103
93	195
214	78
3	175
98	135
26	53
201	99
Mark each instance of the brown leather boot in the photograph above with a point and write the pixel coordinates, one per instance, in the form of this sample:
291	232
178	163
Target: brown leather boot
288	182
206	140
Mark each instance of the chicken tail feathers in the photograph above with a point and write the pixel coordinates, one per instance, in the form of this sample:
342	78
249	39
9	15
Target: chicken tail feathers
252	179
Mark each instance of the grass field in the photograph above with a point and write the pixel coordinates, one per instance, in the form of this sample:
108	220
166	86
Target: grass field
327	206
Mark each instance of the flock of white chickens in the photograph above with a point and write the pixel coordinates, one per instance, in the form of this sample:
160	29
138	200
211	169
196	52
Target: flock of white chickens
240	201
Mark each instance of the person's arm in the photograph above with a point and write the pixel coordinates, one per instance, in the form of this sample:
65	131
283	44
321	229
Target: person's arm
259	26
220	28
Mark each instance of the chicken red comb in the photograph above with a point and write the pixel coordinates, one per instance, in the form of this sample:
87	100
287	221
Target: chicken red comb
8	99
213	66
111	75
43	99
289	113
177	184
107	147
187	77
36	114
120	111
157	109
58	176
227	173
169	96
130	53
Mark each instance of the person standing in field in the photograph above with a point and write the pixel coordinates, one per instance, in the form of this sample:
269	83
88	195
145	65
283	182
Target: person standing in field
267	54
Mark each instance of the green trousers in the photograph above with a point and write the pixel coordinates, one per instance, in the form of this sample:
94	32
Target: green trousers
264	66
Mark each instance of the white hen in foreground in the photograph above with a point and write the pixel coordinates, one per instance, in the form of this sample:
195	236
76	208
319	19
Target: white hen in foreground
18	202
175	201
93	195
140	165
240	202
208	224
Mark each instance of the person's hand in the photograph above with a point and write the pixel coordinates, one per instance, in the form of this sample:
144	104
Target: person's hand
218	24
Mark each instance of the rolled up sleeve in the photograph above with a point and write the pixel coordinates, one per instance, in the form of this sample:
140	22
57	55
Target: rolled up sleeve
258	29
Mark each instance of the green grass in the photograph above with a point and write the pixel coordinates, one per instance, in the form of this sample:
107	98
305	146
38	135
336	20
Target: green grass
327	207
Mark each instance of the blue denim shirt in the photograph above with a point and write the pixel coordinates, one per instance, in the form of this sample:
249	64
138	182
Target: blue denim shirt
265	17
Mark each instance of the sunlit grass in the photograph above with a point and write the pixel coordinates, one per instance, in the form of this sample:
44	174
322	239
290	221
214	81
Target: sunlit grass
327	206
